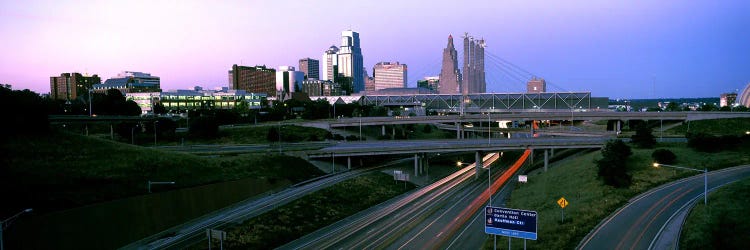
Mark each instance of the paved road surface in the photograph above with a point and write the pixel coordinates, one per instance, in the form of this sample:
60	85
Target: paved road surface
193	231
637	224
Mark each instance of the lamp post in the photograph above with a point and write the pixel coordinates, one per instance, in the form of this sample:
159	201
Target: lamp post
489	127
360	127
705	178
148	186
90	111
155	122
279	137
6	223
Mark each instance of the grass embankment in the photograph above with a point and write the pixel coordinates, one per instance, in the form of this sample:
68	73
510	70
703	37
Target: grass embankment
590	200
252	135
724	225
62	171
734	126
314	211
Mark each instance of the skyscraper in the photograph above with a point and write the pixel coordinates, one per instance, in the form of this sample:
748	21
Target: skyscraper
310	67
258	79
350	61
389	75
473	78
69	86
450	75
330	62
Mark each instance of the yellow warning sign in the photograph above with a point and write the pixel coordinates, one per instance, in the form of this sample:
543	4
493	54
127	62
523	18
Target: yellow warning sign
562	202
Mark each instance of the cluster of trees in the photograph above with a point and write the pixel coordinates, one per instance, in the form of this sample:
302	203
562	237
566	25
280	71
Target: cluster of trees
26	112
113	102
711	143
613	165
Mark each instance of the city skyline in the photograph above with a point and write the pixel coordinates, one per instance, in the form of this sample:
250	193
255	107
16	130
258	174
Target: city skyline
619	50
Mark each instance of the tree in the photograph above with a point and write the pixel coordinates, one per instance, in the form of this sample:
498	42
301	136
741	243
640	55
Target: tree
204	126
663	156
707	107
672	106
613	165
643	137
272	135
159	108
25	112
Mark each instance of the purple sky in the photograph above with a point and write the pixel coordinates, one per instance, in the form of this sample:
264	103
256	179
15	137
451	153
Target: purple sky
618	49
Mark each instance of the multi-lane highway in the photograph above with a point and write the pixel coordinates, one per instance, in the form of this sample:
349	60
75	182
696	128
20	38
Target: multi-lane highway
187	234
427	218
638	224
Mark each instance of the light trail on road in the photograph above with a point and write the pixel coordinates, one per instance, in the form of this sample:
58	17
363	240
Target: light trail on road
475	205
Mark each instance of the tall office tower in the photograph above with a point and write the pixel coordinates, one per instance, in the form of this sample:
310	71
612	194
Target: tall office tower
330	62
69	86
389	75
350	62
473	81
450	75
258	79
288	80
310	67
536	85
481	83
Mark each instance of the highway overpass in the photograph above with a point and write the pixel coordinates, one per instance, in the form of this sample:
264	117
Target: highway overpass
578	115
444	146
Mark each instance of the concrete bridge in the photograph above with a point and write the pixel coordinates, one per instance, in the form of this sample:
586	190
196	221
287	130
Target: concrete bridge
577	115
421	148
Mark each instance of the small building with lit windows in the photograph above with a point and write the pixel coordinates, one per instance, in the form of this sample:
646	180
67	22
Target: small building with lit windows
197	98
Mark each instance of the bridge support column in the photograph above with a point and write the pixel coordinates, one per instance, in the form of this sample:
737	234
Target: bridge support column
458	131
546	160
531	156
551	152
532	127
382	130
426	165
478	164
349	162
393	132
416	165
618	127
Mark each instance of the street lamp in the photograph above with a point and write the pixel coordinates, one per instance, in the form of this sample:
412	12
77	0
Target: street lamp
705	178
489	127
155	122
148	186
360	127
90	113
6	223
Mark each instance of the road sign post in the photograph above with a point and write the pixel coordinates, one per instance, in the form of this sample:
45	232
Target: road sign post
216	234
511	222
563	203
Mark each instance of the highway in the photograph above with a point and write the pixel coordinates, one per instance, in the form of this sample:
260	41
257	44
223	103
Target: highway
453	145
531	115
194	230
428	217
247	148
638	224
